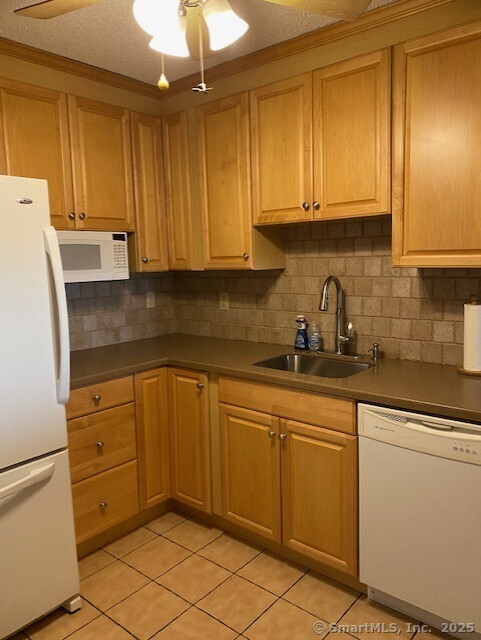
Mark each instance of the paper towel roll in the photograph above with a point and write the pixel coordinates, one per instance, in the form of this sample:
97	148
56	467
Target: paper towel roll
472	337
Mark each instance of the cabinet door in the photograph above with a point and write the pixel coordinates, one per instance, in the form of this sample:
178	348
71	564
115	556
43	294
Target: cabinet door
34	142
151	226
437	150
250	470
189	436
281	134
151	403
319	494
352	137
177	190
223	130
102	165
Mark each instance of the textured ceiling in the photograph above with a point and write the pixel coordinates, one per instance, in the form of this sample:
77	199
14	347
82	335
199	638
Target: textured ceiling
106	35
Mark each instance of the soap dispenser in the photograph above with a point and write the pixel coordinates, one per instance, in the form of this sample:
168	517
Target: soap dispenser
302	341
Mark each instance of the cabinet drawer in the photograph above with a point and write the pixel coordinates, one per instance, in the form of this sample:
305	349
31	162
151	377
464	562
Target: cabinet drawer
105	500
101	441
101	395
313	408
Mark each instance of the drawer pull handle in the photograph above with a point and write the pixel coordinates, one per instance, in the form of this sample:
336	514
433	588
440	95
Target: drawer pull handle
82	215
97	398
200	385
282	437
100	445
103	506
271	434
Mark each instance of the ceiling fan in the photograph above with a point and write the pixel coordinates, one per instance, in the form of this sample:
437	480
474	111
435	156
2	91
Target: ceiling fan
348	10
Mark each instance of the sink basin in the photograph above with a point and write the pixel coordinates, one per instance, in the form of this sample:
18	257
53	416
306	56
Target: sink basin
322	365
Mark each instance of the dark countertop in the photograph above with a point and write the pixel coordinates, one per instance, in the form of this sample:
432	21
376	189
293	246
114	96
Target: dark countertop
419	386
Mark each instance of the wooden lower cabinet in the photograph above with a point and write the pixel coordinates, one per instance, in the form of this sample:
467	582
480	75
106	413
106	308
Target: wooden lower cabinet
189	438
104	500
306	472
319	494
151	394
250	468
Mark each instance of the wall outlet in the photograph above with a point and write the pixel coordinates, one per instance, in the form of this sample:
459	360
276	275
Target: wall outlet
224	301
150	299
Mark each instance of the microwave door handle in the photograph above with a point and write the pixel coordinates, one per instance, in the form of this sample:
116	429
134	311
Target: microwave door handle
53	252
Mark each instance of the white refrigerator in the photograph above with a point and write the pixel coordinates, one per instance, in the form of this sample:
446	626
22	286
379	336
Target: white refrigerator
38	564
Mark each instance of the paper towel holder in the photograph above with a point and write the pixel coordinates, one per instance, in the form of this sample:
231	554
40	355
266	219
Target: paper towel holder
473	299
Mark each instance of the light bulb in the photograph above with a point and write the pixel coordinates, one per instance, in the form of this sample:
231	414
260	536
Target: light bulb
225	26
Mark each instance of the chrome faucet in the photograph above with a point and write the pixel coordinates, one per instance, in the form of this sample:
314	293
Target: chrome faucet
341	338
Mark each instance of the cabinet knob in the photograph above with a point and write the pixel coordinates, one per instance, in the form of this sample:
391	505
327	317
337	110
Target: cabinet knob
316	206
245	256
200	385
145	260
282	436
82	215
271	434
102	505
99	445
71	215
97	397
305	206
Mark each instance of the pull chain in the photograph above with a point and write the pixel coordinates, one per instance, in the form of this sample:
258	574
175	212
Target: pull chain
201	50
163	83
201	87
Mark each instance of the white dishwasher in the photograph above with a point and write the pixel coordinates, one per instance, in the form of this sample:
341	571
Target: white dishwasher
420	516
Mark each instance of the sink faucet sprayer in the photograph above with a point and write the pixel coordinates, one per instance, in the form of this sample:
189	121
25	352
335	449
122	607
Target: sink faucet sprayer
341	338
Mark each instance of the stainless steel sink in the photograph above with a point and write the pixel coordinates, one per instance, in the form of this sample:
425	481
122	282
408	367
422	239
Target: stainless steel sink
316	364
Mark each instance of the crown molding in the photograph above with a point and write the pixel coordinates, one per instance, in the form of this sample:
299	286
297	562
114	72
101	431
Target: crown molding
54	61
371	20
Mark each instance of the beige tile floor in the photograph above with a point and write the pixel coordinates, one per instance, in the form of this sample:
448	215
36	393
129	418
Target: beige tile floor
178	579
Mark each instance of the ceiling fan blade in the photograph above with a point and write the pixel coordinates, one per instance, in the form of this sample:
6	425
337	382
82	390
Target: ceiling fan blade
53	8
349	10
192	34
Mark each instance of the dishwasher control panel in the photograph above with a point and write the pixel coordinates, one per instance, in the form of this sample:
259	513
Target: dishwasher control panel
428	434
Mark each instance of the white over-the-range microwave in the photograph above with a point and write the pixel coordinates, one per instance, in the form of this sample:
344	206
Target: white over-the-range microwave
89	256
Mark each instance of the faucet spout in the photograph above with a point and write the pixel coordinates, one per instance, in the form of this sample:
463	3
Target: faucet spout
324	304
341	337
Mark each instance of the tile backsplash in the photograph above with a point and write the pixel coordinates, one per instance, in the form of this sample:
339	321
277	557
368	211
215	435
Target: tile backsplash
102	313
414	314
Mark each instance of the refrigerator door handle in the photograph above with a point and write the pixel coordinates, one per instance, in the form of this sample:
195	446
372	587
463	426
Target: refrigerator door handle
53	252
34	477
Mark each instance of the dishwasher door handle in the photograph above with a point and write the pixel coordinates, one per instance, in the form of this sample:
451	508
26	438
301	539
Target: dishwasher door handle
438	427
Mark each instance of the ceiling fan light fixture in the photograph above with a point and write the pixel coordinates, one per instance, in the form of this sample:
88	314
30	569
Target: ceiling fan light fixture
156	16
224	25
171	42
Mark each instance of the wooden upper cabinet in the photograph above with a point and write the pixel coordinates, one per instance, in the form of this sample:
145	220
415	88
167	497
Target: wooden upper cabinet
250	470
102	165
319	494
281	137
151	404
189	438
150	249
223	135
177	190
34	142
437	150
352	137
